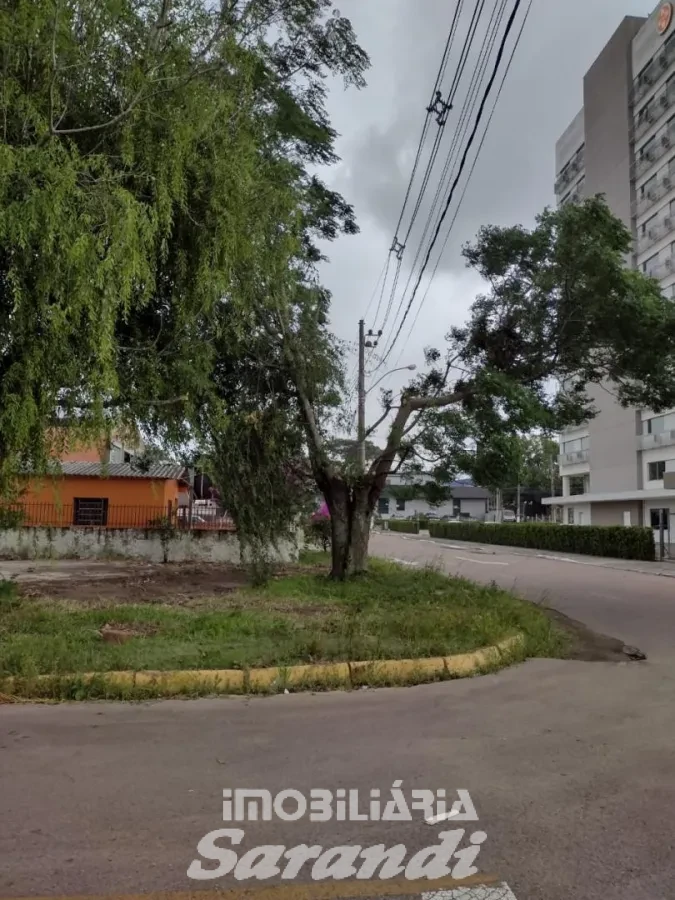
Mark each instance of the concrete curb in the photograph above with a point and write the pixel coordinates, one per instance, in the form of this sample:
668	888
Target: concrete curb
374	673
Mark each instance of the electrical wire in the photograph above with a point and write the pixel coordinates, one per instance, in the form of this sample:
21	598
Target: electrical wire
382	278
396	245
462	164
460	131
468	180
439	77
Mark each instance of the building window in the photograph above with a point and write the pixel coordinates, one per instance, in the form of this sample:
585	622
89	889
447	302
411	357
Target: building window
647	187
647	150
645	112
400	505
577	485
649	266
659	424
570	515
644	228
457	507
656	470
383	506
655	519
88	511
576	445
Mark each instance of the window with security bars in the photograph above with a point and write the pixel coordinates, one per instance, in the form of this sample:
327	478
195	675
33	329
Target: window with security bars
90	511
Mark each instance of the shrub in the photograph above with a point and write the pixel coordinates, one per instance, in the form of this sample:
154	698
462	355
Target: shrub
409	526
317	532
590	540
11	517
423	523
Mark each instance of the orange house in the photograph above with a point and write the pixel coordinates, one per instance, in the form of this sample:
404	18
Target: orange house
94	490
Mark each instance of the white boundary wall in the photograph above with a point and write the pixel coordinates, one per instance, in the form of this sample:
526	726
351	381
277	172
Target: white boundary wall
127	543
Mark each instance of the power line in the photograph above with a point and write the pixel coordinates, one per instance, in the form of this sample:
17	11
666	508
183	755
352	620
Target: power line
472	136
382	278
471	171
441	117
425	128
461	129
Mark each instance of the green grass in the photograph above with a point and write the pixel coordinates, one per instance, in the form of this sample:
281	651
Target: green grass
391	613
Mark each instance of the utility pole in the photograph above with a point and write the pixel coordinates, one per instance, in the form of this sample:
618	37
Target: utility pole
518	502
361	425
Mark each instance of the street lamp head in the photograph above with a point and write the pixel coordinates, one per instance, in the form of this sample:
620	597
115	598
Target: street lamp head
411	367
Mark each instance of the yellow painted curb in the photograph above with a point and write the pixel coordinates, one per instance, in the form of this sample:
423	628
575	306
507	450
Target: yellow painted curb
276	678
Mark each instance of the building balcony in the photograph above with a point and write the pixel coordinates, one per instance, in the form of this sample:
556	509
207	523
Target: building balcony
654	111
660	188
662	439
570	173
662	269
664	140
575	195
655	232
573	459
654	71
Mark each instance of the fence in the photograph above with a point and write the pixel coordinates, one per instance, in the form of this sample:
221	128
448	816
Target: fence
95	513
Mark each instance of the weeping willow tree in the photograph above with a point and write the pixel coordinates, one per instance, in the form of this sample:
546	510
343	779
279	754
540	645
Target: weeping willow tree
146	148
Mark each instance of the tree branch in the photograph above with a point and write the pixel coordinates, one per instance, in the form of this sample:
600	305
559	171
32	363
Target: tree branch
153	47
381	466
377	424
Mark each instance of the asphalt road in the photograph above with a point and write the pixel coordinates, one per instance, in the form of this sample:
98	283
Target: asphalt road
571	765
639	609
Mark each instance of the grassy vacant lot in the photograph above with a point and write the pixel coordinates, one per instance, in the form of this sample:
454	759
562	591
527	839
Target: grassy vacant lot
299	617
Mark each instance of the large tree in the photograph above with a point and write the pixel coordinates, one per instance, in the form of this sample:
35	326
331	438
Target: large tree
153	169
561	312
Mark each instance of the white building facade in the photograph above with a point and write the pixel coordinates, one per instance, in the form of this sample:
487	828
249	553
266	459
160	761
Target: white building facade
622	144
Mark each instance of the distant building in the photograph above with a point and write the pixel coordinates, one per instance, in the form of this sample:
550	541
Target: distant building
467	500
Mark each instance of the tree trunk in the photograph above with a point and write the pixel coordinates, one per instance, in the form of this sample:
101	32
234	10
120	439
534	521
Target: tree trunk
359	532
339	506
350	511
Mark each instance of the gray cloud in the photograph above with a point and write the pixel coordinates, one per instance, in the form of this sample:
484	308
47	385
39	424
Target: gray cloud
380	128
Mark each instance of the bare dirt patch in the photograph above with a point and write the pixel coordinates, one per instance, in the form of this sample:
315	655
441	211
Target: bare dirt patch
585	644
172	585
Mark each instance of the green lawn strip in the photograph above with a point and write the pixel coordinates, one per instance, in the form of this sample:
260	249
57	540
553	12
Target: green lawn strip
391	613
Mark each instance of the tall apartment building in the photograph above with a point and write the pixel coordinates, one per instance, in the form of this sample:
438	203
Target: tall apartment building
622	144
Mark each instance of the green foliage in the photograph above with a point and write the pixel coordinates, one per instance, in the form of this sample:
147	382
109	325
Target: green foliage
344	450
391	613
11	517
318	532
433	493
591	540
156	203
563	305
408	526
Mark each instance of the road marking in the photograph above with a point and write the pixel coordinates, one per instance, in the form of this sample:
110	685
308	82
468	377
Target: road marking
481	562
450	887
442	817
494	892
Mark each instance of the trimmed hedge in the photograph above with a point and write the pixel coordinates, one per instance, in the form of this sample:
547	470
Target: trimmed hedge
590	540
409	526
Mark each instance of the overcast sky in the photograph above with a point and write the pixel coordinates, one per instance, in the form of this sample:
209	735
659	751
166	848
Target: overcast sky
380	127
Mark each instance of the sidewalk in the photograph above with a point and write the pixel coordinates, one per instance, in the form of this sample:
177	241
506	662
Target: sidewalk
666	568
